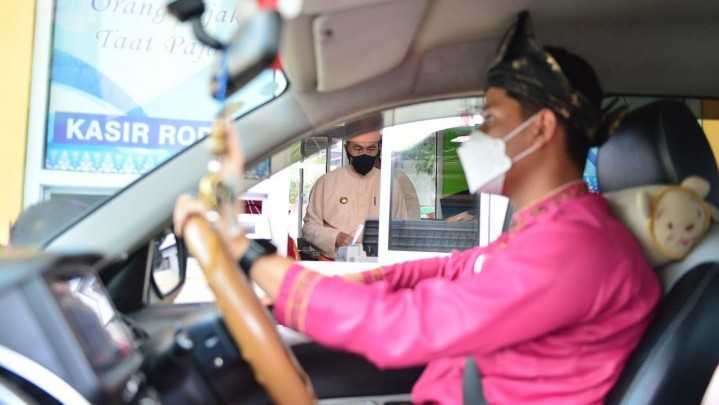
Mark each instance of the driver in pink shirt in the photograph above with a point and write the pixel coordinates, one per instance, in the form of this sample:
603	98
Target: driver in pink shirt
549	311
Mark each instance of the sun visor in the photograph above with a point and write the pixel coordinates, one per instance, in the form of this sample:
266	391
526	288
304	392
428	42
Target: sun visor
357	45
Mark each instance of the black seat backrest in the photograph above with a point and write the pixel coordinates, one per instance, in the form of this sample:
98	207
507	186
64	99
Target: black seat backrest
662	143
659	143
677	357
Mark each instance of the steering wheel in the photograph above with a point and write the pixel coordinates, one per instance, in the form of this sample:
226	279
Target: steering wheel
249	322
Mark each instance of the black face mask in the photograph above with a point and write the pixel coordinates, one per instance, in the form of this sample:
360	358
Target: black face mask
363	163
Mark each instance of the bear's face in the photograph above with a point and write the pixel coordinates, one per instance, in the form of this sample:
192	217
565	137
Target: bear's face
680	218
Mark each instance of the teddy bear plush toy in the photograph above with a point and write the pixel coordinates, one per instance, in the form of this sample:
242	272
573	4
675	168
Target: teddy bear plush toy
667	220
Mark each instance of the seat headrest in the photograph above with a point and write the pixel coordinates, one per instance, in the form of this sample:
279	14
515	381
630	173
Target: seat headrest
659	143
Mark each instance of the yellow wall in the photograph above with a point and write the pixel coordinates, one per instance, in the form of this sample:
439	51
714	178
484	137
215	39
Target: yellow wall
711	128
16	40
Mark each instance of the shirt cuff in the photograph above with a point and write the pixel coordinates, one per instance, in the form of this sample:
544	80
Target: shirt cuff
369	277
328	247
291	304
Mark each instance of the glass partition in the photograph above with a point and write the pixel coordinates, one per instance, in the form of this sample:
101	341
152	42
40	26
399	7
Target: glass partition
420	143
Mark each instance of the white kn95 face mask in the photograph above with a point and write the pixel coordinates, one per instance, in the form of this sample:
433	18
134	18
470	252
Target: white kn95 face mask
485	162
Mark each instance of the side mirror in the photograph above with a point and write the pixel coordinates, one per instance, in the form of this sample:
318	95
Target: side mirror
169	264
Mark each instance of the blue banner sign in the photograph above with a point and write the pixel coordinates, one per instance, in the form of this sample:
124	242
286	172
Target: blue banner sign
142	132
130	86
117	144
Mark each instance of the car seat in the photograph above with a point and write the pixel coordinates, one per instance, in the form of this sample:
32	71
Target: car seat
660	143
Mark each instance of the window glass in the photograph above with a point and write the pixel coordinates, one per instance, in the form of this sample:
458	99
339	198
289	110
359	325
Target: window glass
427	170
314	164
129	85
120	87
318	155
421	141
418	150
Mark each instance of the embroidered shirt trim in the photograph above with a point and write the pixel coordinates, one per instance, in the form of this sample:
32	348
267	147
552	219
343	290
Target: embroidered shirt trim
555	198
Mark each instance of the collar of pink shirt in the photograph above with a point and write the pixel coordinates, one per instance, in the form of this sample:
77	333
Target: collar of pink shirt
553	199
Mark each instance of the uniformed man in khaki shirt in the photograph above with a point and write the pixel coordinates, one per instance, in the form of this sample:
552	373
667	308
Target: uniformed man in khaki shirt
341	200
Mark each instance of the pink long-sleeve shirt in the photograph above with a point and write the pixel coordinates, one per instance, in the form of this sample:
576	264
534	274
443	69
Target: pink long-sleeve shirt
550	310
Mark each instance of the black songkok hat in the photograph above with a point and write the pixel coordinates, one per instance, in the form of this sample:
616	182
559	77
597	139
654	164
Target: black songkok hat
523	67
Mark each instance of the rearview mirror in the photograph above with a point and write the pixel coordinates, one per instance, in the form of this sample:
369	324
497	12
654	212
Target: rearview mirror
252	49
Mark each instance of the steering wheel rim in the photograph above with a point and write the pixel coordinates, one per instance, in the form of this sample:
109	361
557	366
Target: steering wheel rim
249	322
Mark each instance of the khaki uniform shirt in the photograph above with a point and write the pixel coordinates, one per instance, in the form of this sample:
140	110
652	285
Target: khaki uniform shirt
341	201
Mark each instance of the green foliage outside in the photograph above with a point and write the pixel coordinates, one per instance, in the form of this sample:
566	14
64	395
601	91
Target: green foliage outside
452	173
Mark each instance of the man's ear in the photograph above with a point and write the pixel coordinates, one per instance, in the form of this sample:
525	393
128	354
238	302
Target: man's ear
546	127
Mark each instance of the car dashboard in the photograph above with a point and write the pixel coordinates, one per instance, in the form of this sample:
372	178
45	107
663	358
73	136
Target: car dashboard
62	337
63	341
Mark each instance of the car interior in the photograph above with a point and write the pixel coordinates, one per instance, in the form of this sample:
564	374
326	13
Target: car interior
141	347
665	140
663	369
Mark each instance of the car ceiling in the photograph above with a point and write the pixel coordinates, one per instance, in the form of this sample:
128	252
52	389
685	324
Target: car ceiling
323	52
438	48
346	58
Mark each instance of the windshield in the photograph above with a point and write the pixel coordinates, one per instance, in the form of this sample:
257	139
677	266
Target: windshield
118	88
